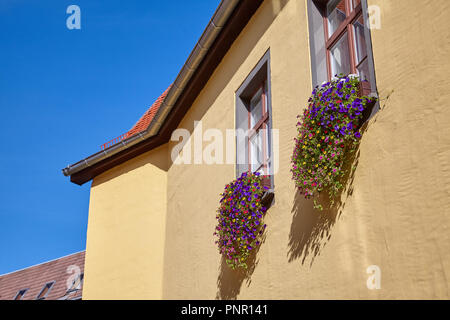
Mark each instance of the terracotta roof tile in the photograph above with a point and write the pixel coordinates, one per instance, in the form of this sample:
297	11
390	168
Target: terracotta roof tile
34	278
142	123
148	116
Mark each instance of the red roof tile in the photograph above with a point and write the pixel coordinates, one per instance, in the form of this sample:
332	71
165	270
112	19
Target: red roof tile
34	278
142	123
148	116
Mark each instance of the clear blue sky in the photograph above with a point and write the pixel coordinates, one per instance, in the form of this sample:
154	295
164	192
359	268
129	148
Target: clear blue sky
65	92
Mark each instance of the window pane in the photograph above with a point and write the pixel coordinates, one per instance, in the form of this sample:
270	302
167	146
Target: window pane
335	14
340	56
317	45
255	109
360	40
363	70
256	151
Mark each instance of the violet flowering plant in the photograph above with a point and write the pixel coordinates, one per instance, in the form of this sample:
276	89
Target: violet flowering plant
240	219
327	132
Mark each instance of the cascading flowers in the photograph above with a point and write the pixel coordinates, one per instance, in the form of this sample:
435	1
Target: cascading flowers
327	131
240	219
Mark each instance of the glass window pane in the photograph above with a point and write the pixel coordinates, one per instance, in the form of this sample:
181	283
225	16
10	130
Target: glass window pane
340	56
336	15
317	45
255	108
256	151
363	70
360	40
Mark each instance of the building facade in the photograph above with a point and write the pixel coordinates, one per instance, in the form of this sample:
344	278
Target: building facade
151	218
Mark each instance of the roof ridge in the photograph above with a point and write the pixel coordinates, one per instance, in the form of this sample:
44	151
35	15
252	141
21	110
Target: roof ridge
147	115
38	264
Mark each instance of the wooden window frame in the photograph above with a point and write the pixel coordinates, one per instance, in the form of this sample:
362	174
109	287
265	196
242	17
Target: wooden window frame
257	79
352	15
262	123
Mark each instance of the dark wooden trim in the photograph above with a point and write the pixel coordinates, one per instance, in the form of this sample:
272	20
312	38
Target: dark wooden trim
237	21
364	88
258	125
331	41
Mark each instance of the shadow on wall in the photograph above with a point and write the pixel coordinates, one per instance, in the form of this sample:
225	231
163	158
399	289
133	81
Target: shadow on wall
311	228
156	157
230	281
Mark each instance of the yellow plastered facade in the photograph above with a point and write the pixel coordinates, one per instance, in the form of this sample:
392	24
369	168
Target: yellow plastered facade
151	221
126	230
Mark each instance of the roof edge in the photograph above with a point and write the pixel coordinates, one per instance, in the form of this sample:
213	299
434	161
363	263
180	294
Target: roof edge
38	264
212	46
208	36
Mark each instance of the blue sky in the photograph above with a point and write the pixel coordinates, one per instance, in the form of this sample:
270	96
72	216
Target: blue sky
65	92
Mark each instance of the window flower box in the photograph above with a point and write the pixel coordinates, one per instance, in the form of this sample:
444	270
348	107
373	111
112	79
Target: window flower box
328	131
240	218
268	194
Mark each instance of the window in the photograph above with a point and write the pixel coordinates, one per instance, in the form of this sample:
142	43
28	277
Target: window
77	283
45	290
20	294
340	40
253	122
258	119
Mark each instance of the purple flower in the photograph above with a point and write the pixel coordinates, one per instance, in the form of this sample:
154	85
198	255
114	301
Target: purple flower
357	134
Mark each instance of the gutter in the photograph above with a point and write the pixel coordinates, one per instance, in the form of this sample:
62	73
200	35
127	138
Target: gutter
210	34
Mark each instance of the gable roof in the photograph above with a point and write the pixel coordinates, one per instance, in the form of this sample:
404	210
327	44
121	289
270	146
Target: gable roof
228	21
143	123
34	279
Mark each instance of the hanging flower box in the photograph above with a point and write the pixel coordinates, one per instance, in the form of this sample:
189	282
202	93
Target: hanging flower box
364	90
328	130
240	218
268	194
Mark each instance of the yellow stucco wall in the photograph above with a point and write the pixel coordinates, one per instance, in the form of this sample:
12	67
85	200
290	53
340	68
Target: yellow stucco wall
125	237
397	216
151	222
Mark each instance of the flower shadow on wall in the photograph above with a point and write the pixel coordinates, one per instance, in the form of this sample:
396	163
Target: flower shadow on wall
324	161
229	282
240	231
311	228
